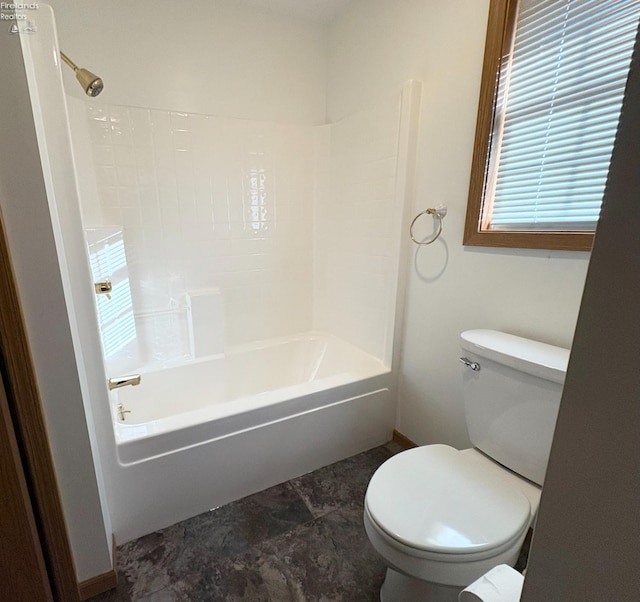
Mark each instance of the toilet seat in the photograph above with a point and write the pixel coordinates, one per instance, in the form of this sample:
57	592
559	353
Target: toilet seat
432	502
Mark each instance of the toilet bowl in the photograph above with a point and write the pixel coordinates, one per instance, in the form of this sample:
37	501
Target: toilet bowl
439	517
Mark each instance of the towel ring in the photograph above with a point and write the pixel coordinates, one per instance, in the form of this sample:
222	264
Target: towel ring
438	214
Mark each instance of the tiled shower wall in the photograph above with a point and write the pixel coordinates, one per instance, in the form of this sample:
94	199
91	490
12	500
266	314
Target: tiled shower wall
208	202
291	223
354	228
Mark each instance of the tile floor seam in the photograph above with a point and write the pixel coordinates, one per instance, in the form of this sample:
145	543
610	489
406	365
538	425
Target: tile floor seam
304	499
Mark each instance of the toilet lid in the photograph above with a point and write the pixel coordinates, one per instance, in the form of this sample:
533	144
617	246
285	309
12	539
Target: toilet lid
433	498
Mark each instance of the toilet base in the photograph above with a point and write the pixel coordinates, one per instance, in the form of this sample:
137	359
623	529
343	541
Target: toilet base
401	588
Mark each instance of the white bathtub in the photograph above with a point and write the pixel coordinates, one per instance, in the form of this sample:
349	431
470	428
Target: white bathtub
210	431
216	396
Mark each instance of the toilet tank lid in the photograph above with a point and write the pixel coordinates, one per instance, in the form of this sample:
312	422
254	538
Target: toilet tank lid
535	358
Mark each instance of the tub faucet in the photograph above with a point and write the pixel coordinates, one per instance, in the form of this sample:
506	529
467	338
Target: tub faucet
123	381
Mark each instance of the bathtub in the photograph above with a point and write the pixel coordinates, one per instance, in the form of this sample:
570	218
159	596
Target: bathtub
212	430
250	385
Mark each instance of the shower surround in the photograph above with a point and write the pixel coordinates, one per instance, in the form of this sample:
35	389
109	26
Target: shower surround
298	229
293	224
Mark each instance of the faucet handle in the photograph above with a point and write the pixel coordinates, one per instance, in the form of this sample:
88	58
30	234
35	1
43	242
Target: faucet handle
122	411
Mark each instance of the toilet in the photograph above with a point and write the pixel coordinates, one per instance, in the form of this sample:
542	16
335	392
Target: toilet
441	517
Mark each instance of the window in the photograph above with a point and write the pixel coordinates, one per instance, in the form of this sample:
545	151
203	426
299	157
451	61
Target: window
552	86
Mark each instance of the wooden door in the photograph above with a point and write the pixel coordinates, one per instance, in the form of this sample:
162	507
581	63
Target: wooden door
23	575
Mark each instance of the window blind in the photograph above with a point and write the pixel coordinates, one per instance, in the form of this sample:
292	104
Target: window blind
558	110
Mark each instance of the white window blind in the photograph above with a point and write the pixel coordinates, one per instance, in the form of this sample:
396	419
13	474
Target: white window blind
558	111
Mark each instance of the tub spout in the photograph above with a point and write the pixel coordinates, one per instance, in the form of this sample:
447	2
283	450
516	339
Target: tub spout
123	381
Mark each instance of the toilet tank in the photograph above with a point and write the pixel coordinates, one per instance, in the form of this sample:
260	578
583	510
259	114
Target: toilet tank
512	400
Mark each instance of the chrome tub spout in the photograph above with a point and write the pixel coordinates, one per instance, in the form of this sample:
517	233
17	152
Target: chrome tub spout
123	381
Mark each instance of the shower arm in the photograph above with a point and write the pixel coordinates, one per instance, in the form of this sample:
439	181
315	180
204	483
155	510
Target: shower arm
69	62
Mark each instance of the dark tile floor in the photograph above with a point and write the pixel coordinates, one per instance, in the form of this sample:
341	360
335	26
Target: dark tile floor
300	541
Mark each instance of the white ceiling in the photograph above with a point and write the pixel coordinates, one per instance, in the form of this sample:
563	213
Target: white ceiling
317	11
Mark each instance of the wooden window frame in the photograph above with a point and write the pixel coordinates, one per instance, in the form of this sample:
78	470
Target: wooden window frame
500	35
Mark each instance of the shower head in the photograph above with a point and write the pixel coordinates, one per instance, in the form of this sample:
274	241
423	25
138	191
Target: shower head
91	83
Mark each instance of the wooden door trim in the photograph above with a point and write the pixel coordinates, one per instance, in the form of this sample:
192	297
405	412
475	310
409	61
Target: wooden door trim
101	583
26	409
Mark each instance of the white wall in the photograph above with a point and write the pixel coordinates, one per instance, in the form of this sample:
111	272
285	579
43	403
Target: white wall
373	47
215	57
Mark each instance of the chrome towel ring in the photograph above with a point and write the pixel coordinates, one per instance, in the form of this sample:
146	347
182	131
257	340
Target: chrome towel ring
438	213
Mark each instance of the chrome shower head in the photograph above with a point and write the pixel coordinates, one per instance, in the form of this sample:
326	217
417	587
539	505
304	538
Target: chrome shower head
91	83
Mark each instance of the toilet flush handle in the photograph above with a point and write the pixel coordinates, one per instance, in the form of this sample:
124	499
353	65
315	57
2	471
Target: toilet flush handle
475	366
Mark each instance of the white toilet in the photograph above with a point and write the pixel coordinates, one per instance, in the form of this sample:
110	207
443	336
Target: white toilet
441	518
